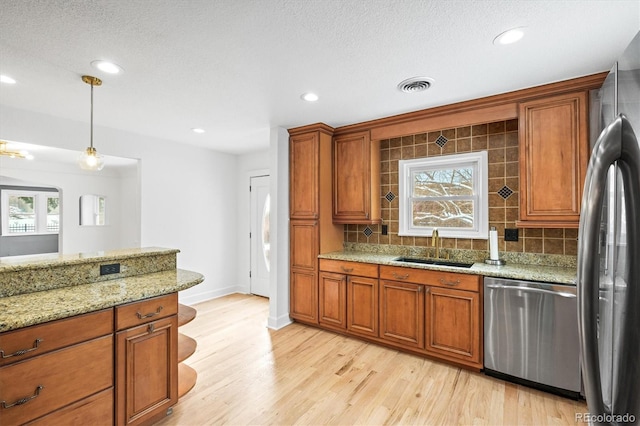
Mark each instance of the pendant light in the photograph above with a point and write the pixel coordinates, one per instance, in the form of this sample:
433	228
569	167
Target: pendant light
90	159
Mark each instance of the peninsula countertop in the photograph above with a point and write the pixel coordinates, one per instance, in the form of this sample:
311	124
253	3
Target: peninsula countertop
27	309
552	274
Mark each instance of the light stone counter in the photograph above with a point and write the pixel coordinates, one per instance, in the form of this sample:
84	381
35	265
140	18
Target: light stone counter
27	309
552	274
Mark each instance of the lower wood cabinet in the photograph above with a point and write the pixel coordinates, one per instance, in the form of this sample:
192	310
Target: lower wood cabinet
146	360
402	313
435	313
452	323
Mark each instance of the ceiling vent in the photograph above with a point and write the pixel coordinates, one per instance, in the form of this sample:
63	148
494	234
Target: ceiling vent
415	84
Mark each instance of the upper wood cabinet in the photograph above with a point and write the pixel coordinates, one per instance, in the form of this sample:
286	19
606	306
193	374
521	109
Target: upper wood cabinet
356	179
554	151
303	169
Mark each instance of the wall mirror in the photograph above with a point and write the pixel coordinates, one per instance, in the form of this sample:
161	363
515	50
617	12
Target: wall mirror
93	210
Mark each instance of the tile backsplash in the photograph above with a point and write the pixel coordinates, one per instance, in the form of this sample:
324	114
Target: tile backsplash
500	139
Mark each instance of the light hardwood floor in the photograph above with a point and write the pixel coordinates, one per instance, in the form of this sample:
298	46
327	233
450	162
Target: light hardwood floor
251	375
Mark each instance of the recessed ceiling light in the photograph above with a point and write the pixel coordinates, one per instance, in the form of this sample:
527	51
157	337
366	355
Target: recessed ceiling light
309	97
197	130
108	67
415	84
6	79
510	36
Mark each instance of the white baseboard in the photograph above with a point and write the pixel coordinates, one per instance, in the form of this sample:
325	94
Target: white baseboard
279	322
208	295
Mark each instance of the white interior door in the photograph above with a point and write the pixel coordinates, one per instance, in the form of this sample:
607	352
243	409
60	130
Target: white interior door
260	235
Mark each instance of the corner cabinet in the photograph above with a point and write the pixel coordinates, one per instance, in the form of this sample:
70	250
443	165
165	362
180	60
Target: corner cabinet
356	179
311	231
554	150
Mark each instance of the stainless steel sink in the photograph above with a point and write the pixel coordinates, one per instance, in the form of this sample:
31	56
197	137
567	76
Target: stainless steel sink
433	262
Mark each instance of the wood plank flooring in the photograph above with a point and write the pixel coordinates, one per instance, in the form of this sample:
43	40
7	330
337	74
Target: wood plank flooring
251	375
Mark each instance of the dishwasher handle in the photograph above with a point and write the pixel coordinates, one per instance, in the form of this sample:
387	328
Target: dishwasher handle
530	289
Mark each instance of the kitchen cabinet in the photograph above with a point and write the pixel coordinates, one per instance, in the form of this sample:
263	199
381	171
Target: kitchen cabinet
349	290
51	369
356	179
554	151
311	230
146	359
402	313
452	323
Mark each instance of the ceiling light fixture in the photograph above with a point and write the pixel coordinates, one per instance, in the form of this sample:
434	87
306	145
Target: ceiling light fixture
13	154
309	97
415	84
6	79
106	66
90	159
510	36
197	130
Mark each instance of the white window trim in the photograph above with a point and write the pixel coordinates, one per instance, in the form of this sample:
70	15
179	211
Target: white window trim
479	161
40	209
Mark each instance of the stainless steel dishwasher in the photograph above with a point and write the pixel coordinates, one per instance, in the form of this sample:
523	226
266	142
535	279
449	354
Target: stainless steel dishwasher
531	334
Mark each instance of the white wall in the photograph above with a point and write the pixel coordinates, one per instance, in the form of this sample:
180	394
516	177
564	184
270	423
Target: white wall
188	194
256	163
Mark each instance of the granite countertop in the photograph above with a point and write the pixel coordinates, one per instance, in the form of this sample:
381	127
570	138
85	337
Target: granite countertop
27	309
552	274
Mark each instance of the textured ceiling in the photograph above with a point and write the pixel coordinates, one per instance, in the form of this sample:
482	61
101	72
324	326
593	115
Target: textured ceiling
238	67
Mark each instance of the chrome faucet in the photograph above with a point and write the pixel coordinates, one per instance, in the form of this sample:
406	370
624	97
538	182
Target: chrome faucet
435	242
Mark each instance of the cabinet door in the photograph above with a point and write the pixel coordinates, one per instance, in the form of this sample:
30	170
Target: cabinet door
333	303
356	179
362	306
453	323
147	371
553	159
303	176
303	300
303	245
402	313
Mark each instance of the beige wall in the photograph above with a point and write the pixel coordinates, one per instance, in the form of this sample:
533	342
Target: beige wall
500	139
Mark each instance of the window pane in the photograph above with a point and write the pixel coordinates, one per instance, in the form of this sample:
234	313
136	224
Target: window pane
440	214
53	214
442	182
22	217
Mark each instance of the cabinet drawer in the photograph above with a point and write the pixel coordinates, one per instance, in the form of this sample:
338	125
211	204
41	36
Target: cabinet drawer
94	410
431	278
55	380
351	268
28	342
145	311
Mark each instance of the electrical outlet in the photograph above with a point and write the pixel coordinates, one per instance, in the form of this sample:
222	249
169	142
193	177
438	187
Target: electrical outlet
511	234
112	268
385	229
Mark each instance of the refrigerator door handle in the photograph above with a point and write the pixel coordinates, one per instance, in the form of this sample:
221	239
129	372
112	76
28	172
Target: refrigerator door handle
617	142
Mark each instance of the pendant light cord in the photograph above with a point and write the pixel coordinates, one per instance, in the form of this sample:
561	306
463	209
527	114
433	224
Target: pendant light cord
91	136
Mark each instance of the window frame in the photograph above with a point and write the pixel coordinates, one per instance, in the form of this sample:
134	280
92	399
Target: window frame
479	162
39	208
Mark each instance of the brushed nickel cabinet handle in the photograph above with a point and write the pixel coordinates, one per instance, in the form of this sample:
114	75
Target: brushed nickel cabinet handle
347	270
23	400
400	277
152	314
151	328
36	344
450	283
426	290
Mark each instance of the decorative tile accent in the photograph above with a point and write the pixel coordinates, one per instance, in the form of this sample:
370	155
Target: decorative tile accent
505	192
390	196
441	141
367	231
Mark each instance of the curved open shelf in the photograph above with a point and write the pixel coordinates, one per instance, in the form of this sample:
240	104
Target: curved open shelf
186	314
186	379
186	347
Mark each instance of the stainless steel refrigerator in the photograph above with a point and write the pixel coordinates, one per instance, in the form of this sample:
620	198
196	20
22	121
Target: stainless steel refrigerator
609	250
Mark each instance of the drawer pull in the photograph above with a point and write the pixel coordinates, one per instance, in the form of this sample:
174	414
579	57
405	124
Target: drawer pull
451	283
23	400
152	314
36	344
347	270
400	277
